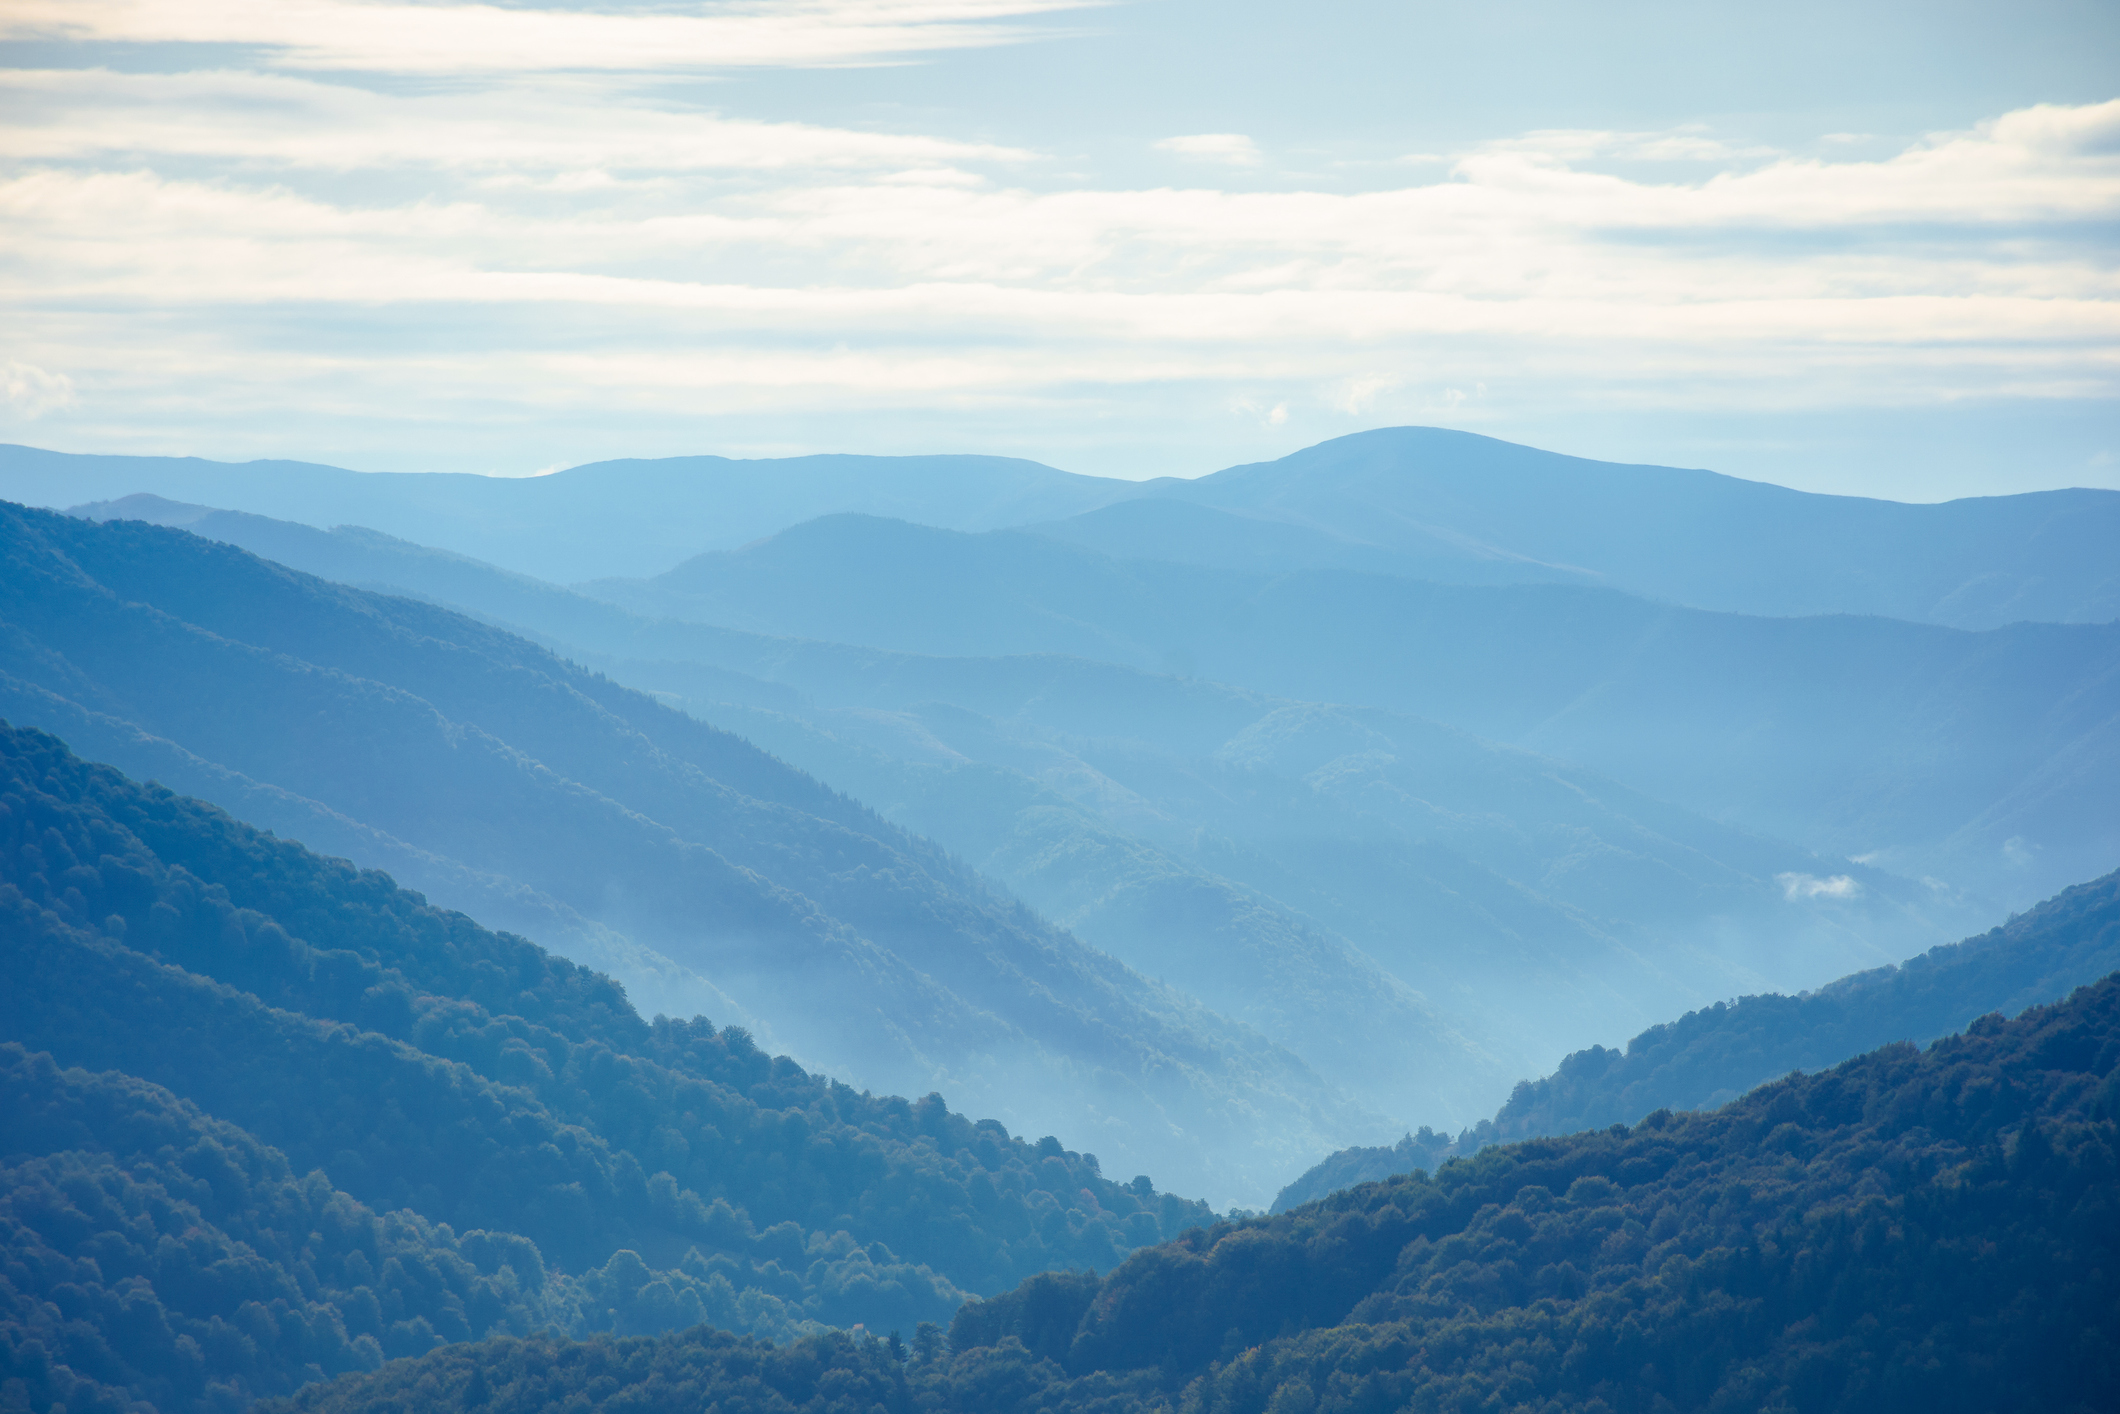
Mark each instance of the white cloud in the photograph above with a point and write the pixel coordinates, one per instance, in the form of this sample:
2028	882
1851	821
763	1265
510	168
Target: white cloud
30	391
536	243
459	39
1233	148
299	122
1800	887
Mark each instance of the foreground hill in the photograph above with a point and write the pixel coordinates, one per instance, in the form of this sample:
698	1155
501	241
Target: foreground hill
1711	1056
503	780
1911	1230
265	1117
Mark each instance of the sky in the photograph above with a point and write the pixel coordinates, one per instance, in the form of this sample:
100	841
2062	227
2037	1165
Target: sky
1865	248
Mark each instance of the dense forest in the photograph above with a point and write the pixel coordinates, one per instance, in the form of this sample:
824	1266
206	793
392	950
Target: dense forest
290	1118
1711	1056
1912	1230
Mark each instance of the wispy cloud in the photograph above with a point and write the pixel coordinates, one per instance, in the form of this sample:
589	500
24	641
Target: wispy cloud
1233	148
379	36
516	239
1799	888
30	391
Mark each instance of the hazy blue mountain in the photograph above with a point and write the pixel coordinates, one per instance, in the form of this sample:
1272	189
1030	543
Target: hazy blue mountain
1989	760
1422	502
502	776
617	517
1468	509
1297	867
1709	1057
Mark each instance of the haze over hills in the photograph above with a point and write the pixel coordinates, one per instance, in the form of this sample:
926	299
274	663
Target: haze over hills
1708	1058
1463	508
1336	856
1989	759
266	1117
1221	828
1912	1230
1422	502
495	776
618	517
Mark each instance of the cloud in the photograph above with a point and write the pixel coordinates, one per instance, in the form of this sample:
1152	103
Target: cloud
531	243
30	391
1233	148
281	120
454	40
1798	888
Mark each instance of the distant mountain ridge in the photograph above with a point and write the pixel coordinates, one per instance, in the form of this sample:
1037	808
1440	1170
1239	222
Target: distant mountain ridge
1422	502
604	518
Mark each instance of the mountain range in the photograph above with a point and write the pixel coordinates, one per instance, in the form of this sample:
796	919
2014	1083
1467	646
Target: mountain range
493	963
1422	502
500	779
1369	867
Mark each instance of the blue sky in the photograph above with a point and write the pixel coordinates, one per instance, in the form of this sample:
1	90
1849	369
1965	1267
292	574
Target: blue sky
1862	248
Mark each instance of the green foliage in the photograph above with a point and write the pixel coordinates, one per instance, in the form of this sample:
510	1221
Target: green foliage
1934	1231
465	1081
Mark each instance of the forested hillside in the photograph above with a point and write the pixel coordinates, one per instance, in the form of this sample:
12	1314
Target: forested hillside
1711	1056
1911	1230
501	779
266	1112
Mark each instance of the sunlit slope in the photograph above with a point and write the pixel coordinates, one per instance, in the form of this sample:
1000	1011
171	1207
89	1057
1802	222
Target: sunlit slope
1985	759
861	947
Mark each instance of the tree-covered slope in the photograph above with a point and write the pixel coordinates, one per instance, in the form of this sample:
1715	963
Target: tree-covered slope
410	1060
496	776
1934	1231
1711	1056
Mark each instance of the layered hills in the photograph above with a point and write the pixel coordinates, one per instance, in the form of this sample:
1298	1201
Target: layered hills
614	517
1987	760
1909	1230
501	779
1329	875
1421	502
1708	1057
268	1117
